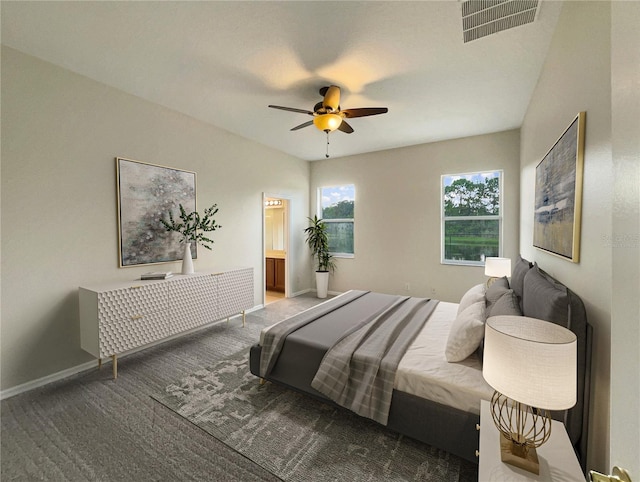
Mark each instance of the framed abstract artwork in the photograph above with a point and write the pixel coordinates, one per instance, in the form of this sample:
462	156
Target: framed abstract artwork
558	194
146	193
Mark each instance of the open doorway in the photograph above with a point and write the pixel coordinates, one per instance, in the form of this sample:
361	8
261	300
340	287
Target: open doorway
276	244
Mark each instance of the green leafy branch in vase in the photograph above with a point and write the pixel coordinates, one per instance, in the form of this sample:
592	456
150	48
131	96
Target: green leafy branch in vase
193	225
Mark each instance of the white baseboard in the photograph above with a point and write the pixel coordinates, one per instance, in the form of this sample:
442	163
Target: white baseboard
54	377
25	387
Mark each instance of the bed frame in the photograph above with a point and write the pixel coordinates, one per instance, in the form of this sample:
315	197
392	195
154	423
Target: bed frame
451	429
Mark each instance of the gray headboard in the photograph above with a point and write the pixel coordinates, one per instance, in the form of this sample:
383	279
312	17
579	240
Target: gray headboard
543	297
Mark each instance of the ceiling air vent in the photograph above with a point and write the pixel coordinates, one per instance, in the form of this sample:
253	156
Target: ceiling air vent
485	17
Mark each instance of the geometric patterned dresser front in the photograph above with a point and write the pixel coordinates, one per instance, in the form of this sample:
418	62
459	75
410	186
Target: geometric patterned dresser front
132	333
131	302
192	301
119	317
235	292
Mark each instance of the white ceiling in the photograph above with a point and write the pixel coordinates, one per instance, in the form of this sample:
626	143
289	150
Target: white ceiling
224	62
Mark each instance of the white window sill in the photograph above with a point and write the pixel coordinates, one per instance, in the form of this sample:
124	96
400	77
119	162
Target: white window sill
462	263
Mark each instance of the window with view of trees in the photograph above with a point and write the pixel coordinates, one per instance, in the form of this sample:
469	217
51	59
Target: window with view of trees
336	209
471	217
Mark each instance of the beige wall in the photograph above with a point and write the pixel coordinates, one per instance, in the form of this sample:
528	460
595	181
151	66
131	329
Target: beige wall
576	77
625	240
397	213
60	135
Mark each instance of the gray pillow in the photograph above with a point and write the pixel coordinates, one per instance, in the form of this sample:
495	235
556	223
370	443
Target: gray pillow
546	298
507	304
498	288
520	269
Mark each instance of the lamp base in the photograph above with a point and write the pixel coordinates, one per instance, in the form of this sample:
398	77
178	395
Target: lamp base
514	454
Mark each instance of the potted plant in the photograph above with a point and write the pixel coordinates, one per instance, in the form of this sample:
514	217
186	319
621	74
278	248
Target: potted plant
192	229
318	242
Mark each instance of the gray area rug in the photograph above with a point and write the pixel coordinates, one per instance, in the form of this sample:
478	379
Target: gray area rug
296	437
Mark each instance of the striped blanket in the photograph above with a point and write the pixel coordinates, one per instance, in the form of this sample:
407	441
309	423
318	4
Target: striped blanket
358	371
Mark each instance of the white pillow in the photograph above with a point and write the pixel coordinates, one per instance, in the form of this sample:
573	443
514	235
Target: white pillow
466	333
472	296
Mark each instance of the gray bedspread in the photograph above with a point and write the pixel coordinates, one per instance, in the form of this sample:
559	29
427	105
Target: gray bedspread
358	372
275	336
368	337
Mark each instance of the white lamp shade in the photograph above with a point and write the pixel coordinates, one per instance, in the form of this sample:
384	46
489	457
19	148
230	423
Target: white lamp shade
531	361
497	267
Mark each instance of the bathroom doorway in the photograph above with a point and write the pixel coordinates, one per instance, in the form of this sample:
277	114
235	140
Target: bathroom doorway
276	246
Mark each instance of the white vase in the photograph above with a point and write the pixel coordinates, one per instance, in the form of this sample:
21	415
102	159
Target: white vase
322	283
187	261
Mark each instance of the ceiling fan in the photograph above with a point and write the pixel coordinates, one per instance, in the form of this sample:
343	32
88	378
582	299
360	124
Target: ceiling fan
327	115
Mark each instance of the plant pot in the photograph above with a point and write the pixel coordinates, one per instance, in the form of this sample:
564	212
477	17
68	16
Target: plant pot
187	261
322	283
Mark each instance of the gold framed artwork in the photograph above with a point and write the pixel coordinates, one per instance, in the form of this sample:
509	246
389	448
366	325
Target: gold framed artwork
558	194
146	193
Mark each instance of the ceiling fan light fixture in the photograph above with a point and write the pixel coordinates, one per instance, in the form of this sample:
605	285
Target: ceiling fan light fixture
327	122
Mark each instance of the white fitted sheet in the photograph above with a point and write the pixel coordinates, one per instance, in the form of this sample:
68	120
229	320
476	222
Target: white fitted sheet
425	372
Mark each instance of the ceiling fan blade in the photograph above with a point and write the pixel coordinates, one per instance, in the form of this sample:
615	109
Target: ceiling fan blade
306	124
331	99
291	109
346	128
365	111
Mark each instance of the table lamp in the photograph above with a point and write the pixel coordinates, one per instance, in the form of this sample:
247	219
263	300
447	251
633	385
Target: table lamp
496	268
532	366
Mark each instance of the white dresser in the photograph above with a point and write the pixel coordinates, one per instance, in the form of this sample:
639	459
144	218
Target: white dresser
118	317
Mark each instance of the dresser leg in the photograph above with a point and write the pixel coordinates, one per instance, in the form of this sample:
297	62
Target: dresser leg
115	366
243	318
99	363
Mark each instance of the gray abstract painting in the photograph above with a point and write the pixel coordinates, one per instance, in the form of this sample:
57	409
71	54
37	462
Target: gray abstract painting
146	193
558	194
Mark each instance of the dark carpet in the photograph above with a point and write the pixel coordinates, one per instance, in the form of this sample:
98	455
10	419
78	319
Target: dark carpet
299	438
89	427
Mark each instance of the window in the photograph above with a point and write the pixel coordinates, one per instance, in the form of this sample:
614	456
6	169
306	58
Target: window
336	206
471	217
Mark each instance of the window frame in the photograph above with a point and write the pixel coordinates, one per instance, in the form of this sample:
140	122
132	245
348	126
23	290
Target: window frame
444	219
338	220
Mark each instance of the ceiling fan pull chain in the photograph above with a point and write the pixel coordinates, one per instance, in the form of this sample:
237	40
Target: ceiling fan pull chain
327	154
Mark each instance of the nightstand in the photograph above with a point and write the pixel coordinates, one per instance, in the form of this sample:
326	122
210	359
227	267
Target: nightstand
558	461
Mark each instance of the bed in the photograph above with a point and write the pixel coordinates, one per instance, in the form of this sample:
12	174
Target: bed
437	382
